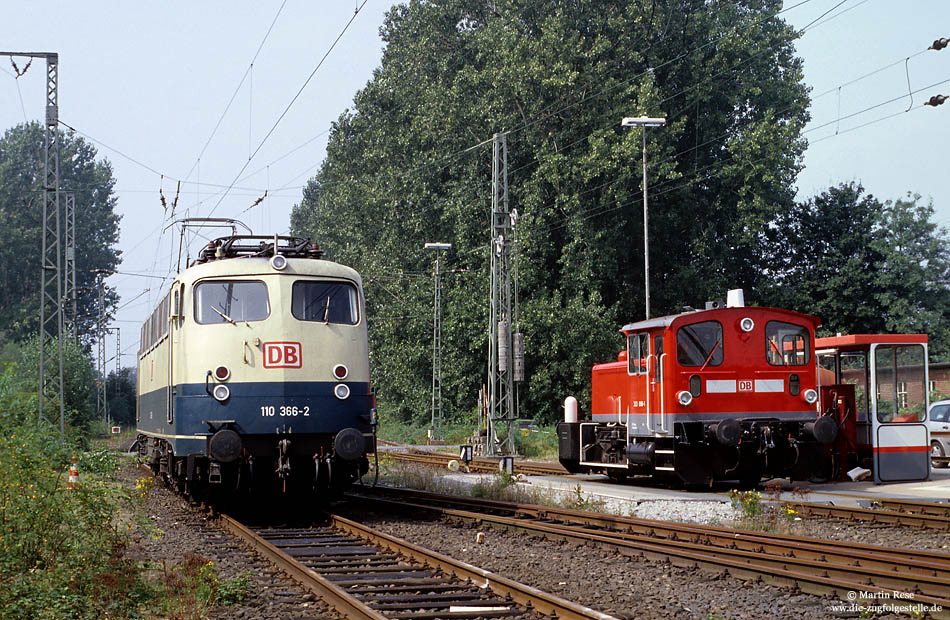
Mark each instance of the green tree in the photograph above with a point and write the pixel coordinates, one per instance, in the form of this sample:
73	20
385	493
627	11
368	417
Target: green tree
120	391
914	273
863	266
826	256
79	395
21	207
410	163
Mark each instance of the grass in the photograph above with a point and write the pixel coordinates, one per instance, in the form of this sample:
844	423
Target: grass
535	443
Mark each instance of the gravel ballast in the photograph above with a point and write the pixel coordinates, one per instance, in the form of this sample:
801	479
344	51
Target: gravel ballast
633	587
183	529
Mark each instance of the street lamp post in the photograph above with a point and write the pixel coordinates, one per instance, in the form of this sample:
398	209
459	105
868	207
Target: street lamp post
435	431
644	122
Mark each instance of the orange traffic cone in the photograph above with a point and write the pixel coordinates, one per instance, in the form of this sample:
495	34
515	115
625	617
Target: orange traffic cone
73	482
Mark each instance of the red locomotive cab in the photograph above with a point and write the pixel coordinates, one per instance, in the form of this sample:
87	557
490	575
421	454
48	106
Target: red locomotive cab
724	393
735	363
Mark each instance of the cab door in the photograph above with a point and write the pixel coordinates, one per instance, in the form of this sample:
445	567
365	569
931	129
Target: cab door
174	327
658	419
899	434
638	405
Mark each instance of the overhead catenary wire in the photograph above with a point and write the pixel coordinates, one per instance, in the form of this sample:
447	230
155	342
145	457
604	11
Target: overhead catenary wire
236	90
232	192
659	187
289	105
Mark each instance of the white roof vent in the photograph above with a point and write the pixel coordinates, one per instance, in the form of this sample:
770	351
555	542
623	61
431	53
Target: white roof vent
735	298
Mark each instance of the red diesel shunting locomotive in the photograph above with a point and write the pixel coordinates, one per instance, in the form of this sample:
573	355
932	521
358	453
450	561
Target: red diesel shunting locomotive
722	393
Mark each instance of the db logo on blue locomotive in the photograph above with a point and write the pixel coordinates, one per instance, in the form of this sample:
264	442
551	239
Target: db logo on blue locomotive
282	355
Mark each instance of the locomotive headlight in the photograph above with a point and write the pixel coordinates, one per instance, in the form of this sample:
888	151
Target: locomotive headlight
810	396
747	324
222	373
278	262
684	398
341	391
221	393
340	372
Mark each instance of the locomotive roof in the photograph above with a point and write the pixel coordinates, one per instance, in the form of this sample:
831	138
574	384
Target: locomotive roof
666	321
237	246
260	266
251	254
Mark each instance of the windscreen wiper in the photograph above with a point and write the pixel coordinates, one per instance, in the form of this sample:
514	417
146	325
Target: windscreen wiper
224	316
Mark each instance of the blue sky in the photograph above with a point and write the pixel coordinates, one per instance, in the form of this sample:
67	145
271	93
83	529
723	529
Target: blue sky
150	82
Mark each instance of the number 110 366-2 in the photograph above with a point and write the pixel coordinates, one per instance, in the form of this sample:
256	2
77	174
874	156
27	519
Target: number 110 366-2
268	411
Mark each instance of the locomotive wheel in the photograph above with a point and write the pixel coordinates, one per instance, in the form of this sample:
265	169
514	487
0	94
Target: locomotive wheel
936	450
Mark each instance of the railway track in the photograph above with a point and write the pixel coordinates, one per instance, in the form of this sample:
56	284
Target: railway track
478	465
815	566
368	574
889	511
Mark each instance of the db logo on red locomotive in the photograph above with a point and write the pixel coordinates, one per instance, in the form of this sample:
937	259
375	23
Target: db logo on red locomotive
282	355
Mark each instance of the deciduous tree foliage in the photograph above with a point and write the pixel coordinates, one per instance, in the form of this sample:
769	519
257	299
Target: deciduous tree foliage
120	391
864	266
827	253
21	208
409	163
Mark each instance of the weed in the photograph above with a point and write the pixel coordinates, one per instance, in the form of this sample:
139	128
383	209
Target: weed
578	501
143	486
192	587
747	503
98	462
772	515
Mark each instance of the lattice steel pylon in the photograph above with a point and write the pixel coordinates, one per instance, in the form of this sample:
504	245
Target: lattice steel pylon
102	402
51	289
502	411
435	428
70	299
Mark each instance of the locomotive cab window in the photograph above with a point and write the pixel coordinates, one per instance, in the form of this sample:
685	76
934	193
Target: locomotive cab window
699	344
325	302
638	352
786	344
231	301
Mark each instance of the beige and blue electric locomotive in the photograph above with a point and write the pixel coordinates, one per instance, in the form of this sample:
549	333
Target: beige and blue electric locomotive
253	371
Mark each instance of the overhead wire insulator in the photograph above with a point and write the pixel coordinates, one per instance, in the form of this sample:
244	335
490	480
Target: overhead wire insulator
940	43
504	350
936	100
517	357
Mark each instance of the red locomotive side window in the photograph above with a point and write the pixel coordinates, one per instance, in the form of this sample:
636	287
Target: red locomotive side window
638	351
786	344
699	344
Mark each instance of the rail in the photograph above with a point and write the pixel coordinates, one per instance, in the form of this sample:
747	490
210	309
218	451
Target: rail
816	566
363	573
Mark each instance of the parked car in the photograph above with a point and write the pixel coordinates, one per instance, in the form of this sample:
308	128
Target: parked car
939	423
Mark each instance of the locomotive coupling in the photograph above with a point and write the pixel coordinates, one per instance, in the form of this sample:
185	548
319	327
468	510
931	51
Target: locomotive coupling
283	458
